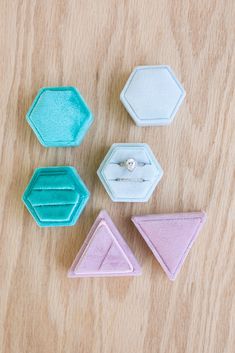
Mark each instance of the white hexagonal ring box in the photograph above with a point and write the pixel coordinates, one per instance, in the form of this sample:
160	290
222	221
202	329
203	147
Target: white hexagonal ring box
152	95
130	172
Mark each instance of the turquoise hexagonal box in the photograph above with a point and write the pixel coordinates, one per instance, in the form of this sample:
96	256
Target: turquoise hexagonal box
56	196
59	117
130	172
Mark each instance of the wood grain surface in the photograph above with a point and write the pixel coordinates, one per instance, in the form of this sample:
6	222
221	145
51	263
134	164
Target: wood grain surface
94	45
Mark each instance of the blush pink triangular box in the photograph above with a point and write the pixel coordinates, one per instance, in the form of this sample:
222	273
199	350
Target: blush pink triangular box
170	237
104	253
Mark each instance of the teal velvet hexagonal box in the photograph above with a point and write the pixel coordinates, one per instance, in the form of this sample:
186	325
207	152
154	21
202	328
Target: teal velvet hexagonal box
59	117
56	196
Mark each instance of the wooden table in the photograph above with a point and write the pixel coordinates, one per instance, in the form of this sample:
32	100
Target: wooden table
94	45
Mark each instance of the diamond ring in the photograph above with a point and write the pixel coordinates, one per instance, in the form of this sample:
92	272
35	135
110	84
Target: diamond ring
129	164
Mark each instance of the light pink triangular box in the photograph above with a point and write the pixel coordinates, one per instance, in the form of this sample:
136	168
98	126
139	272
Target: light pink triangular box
170	237
104	253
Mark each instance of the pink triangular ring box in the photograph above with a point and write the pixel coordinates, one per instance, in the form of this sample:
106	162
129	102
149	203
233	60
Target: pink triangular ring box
104	253
170	237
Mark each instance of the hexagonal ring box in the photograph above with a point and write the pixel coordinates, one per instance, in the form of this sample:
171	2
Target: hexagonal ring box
59	117
152	95
130	172
56	196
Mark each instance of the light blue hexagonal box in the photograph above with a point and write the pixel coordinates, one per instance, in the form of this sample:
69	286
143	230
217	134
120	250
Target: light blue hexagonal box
56	196
59	117
152	95
130	172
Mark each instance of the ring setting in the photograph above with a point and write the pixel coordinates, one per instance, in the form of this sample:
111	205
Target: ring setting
130	164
